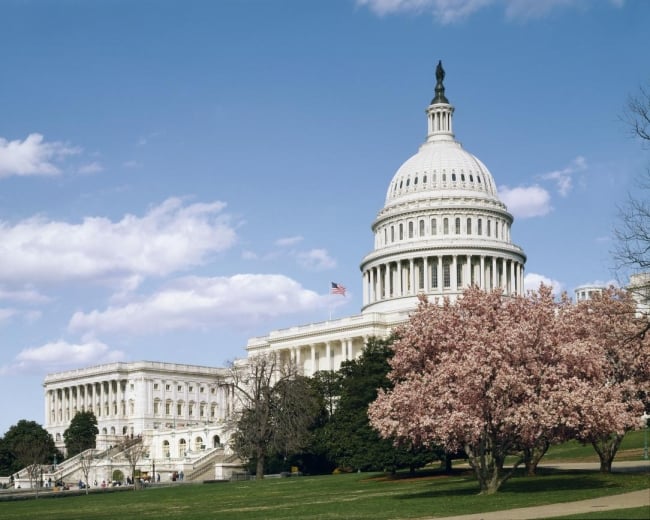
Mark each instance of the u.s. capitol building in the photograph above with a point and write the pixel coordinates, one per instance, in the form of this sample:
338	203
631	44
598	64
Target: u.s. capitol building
441	229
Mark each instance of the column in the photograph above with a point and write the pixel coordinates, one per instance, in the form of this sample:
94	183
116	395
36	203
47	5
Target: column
453	275
400	290
328	355
513	284
411	277
313	359
425	272
494	273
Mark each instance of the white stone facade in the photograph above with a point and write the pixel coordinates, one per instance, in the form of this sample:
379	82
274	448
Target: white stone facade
131	398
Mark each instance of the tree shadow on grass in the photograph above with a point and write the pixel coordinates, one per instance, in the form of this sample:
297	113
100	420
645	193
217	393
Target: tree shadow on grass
550	482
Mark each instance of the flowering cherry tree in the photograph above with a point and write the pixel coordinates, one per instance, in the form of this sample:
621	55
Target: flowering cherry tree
478	375
613	386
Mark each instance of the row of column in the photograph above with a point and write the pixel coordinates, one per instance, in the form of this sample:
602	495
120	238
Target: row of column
335	352
100	397
441	273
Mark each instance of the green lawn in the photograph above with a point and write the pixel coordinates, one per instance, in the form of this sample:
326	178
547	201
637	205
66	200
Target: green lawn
351	496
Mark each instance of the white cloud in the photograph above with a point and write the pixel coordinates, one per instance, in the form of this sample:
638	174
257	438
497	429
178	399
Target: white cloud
288	241
32	156
90	168
203	303
563	177
61	355
533	280
316	260
449	11
25	295
6	314
170	237
526	202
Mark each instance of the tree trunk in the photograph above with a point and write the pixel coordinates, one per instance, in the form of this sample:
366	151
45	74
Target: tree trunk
532	456
606	448
259	467
488	467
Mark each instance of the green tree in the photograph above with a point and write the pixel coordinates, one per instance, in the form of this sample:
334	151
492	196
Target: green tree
353	443
82	433
27	446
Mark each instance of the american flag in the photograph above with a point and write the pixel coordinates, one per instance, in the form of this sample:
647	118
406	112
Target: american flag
337	288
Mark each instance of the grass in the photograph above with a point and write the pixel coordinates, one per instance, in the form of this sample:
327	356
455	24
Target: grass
347	496
353	496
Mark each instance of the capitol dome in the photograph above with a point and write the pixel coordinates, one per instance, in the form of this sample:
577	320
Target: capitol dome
442	227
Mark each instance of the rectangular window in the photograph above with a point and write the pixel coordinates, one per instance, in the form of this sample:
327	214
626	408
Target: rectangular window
410	229
457	226
434	228
489	228
168	409
155	386
446	275
469	226
179	388
434	275
421	228
167	387
480	226
179	409
445	226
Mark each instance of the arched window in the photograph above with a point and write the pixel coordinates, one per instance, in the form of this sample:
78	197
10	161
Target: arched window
489	228
453	177
469	226
457	226
165	448
182	448
434	228
496	230
198	444
392	233
480	226
445	226
401	231
411	229
421	228
216	441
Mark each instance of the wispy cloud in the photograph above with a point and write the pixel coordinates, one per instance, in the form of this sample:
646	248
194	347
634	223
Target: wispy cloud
450	11
316	260
61	355
563	178
90	168
288	241
33	156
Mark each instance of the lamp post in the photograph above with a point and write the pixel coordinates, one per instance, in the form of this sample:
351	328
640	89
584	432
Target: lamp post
153	464
645	418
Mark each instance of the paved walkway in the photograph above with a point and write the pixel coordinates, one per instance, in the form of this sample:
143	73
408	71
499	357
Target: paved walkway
609	503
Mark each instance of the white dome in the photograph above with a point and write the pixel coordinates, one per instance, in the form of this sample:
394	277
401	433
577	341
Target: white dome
440	168
442	227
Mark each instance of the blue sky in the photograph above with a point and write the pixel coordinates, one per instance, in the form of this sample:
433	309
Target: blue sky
178	176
